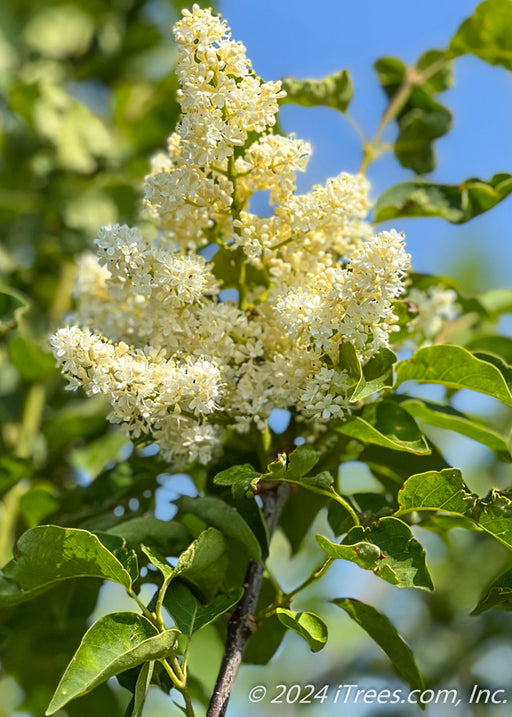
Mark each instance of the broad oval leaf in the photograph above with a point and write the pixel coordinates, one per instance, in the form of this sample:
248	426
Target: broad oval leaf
387	425
402	559
48	554
455	367
169	537
334	91
117	642
486	34
364	554
189	613
306	624
301	461
203	563
222	516
453	420
209	546
437	490
445	490
32	363
498	345
456	203
383	632
242	479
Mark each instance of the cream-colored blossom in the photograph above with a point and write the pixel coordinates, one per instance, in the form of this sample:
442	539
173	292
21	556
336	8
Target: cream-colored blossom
433	308
152	332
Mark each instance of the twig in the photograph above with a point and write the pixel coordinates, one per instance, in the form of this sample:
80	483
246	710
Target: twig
239	629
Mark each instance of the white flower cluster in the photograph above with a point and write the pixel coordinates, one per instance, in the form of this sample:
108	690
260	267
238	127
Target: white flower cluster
433	308
178	361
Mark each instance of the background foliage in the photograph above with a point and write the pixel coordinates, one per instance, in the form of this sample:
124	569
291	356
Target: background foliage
86	96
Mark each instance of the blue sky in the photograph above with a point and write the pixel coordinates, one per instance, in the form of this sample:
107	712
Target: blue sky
311	40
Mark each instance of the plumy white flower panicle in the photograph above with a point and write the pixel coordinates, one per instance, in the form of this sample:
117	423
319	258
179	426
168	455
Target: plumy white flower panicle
178	362
222	101
146	390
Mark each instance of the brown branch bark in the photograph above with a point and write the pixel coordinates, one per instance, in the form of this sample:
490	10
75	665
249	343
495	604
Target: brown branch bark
239	630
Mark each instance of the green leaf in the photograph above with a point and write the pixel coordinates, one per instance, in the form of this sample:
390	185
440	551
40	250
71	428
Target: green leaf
382	631
443	78
126	556
32	363
487	34
418	129
453	420
497	301
263	644
433	490
169	537
189	613
158	561
369	506
199	563
349	361
117	642
401	559
12	471
48	554
364	554
454	367
96	455
243	479
294	467
497	596
298	513
334	91
141	690
498	345
300	462
446	490
201	554
504	368
38	503
12	306
376	375
222	516
386	424
455	203
306	624
421	119
392	468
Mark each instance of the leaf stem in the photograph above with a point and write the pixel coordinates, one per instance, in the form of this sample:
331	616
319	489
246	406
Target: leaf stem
159	602
180	682
315	575
147	613
339	499
331	493
285	598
